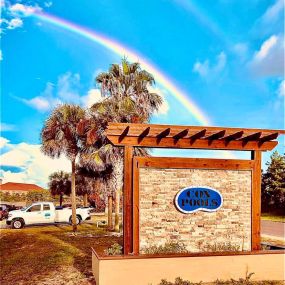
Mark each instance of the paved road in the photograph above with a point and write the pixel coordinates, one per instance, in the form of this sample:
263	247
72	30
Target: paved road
270	228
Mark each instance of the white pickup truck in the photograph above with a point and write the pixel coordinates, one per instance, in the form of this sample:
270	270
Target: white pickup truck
45	213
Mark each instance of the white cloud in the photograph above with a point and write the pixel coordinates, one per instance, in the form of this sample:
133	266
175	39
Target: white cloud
66	90
34	166
269	59
24	10
45	101
273	12
221	62
266	47
93	96
39	103
281	89
68	87
240	49
14	23
7	127
201	68
205	69
11	24
272	21
48	4
164	107
12	15
3	142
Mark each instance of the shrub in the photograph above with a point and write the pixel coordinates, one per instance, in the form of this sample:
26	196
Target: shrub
39	195
96	201
15	197
5	196
167	248
241	281
222	246
115	249
178	281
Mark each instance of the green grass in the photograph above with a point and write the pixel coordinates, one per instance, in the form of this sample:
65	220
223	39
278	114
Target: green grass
272	217
32	254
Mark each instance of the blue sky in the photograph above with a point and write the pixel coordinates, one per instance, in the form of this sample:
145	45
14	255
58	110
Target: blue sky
227	57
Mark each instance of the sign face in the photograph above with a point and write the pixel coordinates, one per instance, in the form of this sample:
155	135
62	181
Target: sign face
199	198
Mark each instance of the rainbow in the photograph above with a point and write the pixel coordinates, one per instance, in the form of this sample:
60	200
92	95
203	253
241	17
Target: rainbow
121	50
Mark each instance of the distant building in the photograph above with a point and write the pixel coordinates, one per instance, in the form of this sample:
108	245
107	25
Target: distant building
20	188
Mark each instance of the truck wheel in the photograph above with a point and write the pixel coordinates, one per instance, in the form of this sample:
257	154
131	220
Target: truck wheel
17	224
78	220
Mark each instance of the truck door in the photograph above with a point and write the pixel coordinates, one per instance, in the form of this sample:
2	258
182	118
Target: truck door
48	214
34	214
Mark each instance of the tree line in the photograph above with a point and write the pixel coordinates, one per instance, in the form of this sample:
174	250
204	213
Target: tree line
273	185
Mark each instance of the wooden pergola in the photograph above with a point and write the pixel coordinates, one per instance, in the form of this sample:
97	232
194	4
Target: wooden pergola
130	135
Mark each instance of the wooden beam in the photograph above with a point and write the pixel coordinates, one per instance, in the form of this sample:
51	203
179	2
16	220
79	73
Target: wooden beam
234	136
216	136
252	137
128	200
181	135
270	137
200	163
124	133
256	201
197	136
136	129
163	134
144	133
197	144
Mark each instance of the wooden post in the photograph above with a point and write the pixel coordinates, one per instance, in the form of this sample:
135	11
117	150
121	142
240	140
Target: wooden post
136	208
256	201
128	200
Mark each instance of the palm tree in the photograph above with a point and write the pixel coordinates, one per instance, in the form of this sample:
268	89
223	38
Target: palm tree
126	99
60	184
59	136
129	86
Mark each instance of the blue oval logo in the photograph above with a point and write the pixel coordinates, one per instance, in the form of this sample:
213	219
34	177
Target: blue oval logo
193	199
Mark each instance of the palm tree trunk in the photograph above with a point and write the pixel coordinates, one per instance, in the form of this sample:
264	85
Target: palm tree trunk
85	200
110	212
73	197
60	199
117	210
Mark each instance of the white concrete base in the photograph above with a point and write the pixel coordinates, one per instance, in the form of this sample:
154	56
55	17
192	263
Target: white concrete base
150	270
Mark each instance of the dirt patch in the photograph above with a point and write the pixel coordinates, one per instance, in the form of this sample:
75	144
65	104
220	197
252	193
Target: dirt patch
66	276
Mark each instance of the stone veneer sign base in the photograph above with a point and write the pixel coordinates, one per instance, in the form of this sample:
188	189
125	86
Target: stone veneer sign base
160	221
